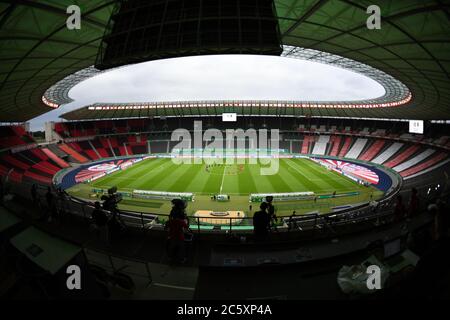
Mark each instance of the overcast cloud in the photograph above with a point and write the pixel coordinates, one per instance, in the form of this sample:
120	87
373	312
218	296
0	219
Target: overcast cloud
224	77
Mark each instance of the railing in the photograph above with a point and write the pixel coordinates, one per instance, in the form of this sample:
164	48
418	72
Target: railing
113	263
147	221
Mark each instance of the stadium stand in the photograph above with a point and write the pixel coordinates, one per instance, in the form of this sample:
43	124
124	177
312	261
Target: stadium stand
356	149
137	144
55	158
373	150
402	156
305	145
11	136
97	146
96	155
336	143
74	154
84	148
345	146
413	161
33	164
113	146
320	146
40	164
425	165
12	162
388	153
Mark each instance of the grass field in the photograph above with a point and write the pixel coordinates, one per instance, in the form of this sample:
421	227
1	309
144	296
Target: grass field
238	181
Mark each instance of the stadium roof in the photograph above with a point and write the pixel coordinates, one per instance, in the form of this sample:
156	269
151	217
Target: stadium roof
413	46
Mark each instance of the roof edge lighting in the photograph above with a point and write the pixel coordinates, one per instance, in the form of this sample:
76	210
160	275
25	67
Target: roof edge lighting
49	103
396	93
236	103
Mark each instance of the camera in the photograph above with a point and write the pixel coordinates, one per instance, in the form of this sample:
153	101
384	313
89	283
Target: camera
111	200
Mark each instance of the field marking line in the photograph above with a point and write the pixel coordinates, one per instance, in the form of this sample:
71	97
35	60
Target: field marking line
135	168
298	170
325	173
223	178
143	180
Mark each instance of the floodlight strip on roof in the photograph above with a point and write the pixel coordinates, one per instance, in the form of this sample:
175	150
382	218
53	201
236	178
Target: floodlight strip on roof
209	104
396	93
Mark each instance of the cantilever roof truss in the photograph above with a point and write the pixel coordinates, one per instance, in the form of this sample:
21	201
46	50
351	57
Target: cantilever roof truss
413	46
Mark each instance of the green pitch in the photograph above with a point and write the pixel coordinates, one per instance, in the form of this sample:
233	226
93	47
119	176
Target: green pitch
236	180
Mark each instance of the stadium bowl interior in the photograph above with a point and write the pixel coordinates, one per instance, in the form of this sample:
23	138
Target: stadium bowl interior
342	165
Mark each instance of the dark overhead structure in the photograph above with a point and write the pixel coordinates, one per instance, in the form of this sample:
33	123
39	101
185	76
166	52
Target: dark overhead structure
412	46
143	30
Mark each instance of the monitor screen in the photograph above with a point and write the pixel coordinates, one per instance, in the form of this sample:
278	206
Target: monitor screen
416	126
229	117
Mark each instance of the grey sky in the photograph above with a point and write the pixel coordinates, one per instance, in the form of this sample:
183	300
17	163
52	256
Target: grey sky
225	77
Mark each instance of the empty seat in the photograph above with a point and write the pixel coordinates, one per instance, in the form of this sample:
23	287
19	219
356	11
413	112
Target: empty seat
388	153
346	146
402	156
321	145
55	158
413	161
424	165
356	149
336	143
74	154
373	150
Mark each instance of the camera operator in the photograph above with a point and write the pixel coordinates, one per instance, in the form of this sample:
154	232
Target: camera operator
111	200
179	234
271	213
115	225
100	221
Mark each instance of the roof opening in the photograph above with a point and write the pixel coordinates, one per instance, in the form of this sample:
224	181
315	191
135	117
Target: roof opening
227	77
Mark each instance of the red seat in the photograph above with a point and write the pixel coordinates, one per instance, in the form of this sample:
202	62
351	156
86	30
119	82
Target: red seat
401	157
373	150
427	164
336	142
346	146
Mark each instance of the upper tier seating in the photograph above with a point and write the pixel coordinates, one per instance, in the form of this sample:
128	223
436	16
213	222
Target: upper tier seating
113	139
373	150
388	153
413	161
356	149
346	146
425	165
305	146
160	146
85	148
93	128
320	146
336	143
402	156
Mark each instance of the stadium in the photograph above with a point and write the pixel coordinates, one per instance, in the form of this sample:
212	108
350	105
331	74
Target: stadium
353	183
